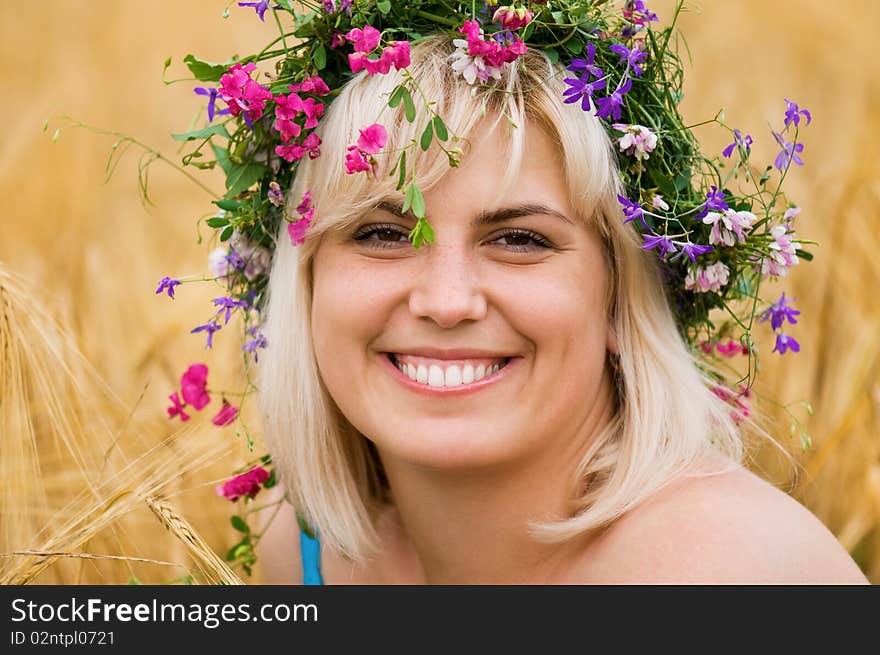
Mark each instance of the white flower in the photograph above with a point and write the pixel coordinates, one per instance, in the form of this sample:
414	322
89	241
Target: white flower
658	203
218	264
782	255
729	226
705	279
472	68
637	141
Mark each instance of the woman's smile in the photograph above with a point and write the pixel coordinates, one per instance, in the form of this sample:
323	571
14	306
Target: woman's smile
451	378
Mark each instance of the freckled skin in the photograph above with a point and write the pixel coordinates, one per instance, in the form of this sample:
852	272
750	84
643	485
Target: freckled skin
470	288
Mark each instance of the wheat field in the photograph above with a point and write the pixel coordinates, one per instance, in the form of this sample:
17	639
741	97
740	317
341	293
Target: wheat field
99	487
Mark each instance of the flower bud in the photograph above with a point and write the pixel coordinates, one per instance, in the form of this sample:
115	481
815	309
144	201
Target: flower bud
512	19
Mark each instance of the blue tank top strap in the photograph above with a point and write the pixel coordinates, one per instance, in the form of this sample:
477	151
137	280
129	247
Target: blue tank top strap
311	559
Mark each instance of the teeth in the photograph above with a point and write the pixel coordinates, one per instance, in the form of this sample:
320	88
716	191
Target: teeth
435	376
454	376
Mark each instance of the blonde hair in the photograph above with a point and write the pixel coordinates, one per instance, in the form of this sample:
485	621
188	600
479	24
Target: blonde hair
666	418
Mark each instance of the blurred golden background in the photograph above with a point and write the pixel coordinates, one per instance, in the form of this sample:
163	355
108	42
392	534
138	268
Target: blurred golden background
87	254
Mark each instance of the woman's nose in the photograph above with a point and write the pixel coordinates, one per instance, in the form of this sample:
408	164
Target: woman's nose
447	287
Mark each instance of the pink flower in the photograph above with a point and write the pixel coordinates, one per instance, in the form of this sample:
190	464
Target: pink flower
782	254
297	151
192	386
475	58
728	227
243	94
246	484
399	53
297	229
176	408
706	278
313	84
372	138
226	415
338	39
729	349
513	19
364	40
355	161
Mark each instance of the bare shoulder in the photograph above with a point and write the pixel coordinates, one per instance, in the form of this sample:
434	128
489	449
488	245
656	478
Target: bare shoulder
730	528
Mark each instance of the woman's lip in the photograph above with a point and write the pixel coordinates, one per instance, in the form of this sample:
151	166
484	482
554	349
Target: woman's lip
428	390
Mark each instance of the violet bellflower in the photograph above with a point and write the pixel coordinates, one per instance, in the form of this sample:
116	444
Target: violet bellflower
738	140
168	283
691	250
779	312
586	67
582	90
210	328
784	343
788	154
633	57
632	211
793	114
227	304
714	202
260	7
213	93
663	244
610	105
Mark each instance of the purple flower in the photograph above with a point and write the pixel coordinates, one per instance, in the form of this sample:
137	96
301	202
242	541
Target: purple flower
632	57
691	250
213	93
169	284
252	345
738	140
260	7
788	154
714	202
784	343
235	260
582	90
779	311
330	6
611	105
665	244
210	328
793	113
228	304
585	66
632	211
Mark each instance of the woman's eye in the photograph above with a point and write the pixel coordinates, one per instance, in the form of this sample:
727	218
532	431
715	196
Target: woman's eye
385	236
519	240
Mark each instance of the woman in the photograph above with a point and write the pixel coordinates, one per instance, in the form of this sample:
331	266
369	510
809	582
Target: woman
512	403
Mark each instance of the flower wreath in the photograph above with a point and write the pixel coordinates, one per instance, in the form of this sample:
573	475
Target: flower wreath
720	225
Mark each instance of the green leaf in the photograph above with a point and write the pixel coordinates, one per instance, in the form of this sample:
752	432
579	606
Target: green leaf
440	128
427	231
285	4
396	96
409	107
227	233
205	71
228	205
552	55
271	481
574	46
526	33
222	156
203	133
803	254
239	524
319	56
242	177
407	199
427	136
384	6
402	178
217	221
418	202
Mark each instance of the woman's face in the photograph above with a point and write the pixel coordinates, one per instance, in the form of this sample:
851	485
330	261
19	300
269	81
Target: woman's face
522	282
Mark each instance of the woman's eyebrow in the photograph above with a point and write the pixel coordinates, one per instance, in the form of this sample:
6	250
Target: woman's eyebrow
484	217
